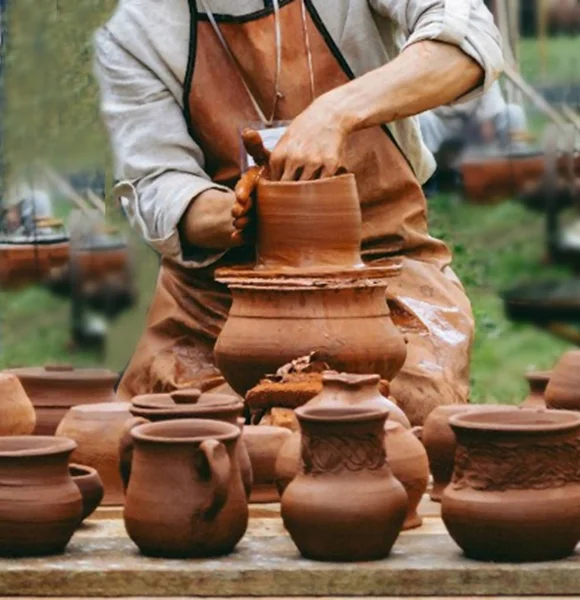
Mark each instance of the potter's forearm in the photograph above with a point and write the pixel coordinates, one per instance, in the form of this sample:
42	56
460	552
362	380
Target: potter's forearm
427	74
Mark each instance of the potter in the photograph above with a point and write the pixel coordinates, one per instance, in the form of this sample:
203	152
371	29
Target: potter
180	82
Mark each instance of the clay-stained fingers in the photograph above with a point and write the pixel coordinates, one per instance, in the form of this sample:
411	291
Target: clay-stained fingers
241	223
239	210
255	147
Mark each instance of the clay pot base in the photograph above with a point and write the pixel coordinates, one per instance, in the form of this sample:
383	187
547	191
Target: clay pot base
264	494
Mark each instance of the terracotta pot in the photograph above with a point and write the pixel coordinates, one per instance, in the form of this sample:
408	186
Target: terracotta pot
185	496
90	486
40	506
263	443
563	389
17	416
298	224
439	441
515	492
538	382
275	319
97	429
409	463
345	505
23	264
54	389
184	404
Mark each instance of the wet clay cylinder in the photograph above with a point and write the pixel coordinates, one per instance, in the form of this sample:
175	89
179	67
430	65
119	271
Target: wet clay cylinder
299	224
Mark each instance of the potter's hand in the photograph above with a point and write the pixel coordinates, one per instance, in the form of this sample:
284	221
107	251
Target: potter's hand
313	147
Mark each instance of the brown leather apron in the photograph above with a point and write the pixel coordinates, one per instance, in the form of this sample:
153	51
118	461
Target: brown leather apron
189	308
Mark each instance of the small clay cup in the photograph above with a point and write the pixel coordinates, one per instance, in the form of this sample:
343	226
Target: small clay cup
40	506
538	382
90	486
515	491
563	391
17	416
185	496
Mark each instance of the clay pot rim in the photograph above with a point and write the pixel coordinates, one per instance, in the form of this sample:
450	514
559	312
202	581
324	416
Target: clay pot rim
555	420
183	410
84	471
346	414
38	445
446	408
265	429
326	181
539	375
146	432
353	380
96	412
88	375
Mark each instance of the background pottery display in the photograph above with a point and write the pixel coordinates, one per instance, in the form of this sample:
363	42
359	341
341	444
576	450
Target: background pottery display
263	443
185	404
90	486
563	390
345	504
538	382
185	496
54	389
17	415
97	430
40	506
515	492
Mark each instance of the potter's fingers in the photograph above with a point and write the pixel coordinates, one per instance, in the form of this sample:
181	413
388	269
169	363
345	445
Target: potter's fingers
331	168
247	184
238	238
290	171
308	172
242	223
239	210
255	146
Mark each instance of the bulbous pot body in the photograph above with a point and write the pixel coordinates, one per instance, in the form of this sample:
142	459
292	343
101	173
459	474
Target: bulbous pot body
515	492
90	486
17	416
40	506
345	504
274	320
185	496
563	391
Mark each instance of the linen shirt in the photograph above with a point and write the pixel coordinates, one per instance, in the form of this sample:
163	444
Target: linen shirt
141	62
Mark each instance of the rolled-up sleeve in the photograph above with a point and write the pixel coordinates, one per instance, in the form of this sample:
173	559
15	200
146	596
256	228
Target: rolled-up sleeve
467	24
159	166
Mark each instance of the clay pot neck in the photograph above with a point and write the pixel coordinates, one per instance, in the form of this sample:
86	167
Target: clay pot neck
538	382
348	390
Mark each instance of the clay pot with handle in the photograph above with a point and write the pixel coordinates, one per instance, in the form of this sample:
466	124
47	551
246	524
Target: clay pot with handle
90	486
17	416
185	496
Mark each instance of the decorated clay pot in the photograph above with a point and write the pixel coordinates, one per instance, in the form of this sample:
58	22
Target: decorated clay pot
185	496
538	382
40	506
298	224
515	491
184	404
563	389
439	441
276	318
263	443
90	486
17	415
345	504
54	389
97	430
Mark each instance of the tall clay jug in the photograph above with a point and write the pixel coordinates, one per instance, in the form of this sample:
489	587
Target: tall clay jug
185	496
345	504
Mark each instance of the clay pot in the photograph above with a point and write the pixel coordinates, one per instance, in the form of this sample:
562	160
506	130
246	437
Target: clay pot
54	389
97	430
439	441
184	404
17	415
538	382
274	319
40	506
563	391
185	496
515	492
345	505
264	443
90	486
23	264
298	224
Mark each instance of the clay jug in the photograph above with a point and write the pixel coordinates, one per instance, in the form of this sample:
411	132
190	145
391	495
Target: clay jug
298	224
97	430
17	415
563	389
515	491
40	506
345	504
538	382
184	404
185	496
90	486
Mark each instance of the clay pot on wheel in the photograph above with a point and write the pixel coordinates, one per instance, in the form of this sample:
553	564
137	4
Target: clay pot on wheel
17	415
90	486
515	492
563	391
345	505
97	430
538	382
185	496
40	506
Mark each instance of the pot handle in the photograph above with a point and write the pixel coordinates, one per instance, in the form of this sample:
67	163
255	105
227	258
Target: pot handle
418	432
126	448
219	465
